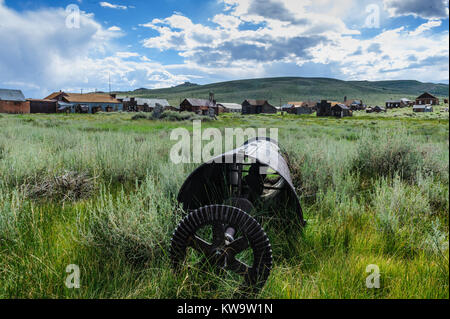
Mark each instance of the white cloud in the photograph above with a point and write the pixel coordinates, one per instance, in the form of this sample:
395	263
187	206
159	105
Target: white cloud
421	8
300	34
43	56
244	41
426	26
127	54
114	28
112	6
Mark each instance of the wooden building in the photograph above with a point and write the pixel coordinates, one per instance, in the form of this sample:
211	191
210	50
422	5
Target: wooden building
136	104
13	102
198	106
427	98
43	106
424	108
354	105
324	108
258	107
393	104
341	110
301	107
230	107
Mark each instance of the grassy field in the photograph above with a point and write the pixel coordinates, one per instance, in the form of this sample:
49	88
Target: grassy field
283	90
99	191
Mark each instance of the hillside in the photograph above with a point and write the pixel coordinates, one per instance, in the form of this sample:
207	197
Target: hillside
283	90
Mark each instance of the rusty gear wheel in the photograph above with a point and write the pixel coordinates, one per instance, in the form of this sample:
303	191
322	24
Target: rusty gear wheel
222	250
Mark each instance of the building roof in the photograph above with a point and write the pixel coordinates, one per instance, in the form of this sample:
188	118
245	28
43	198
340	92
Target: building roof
12	95
422	106
342	106
426	95
41	100
152	102
303	104
231	106
200	102
353	102
256	102
84	98
394	101
333	103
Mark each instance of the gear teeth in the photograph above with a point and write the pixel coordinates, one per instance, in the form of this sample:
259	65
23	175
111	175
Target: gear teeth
242	222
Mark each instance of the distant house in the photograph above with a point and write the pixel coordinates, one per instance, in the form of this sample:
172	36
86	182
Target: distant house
43	106
136	104
13	102
258	107
302	107
422	108
230	107
341	110
355	105
86	103
393	104
324	107
330	108
427	98
198	106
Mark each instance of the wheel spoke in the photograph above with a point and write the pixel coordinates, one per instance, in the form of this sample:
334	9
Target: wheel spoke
238	267
239	245
218	234
201	245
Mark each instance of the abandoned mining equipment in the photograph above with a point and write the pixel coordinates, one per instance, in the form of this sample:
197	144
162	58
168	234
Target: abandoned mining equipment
219	197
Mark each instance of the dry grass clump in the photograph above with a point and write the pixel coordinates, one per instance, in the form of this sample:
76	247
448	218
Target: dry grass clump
70	186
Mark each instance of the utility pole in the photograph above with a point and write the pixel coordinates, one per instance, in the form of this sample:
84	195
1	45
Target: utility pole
109	82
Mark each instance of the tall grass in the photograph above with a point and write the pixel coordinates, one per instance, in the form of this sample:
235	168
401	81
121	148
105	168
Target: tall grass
371	193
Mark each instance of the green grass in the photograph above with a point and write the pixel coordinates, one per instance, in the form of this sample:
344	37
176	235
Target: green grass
374	189
297	89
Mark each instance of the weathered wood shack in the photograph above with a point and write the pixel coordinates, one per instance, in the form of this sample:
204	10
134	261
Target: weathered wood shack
258	107
43	106
324	108
427	98
341	110
393	104
136	104
230	107
302	107
354	105
198	106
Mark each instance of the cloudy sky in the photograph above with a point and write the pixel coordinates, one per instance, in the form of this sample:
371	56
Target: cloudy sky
48	45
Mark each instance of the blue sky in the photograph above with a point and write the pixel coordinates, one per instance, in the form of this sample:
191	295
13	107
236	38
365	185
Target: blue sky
167	42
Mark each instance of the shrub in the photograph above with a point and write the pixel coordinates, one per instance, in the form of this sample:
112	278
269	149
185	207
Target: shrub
403	215
318	165
137	226
139	116
386	154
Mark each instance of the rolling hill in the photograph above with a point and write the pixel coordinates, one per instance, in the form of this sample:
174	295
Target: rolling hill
282	90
